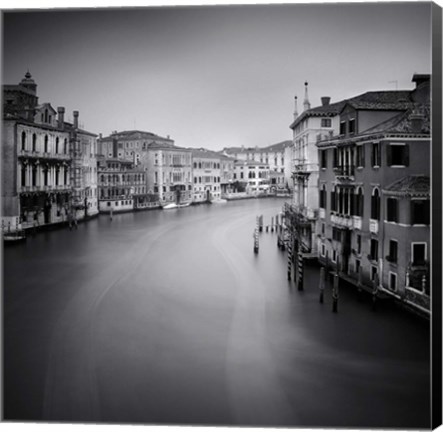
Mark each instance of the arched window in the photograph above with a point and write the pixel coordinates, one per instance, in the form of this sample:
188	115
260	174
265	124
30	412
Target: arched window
23	140
46	144
65	146
375	204
34	142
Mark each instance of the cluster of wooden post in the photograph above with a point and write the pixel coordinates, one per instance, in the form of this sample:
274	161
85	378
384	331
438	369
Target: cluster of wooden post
335	286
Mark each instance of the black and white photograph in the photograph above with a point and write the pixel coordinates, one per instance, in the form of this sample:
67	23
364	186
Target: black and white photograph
222	215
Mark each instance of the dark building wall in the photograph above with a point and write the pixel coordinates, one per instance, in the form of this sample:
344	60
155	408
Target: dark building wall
10	205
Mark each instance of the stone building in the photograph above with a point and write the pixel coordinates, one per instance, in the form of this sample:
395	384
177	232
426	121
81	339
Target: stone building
254	175
122	187
374	193
206	172
38	149
130	145
275	156
168	172
308	128
226	174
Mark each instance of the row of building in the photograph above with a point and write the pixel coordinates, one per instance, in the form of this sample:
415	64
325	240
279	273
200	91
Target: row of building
55	171
362	188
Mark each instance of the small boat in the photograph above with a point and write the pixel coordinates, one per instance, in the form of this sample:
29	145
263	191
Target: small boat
174	206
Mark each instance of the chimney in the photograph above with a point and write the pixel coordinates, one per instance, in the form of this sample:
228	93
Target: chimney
306	104
61	117
295	108
75	113
100	136
417	120
325	100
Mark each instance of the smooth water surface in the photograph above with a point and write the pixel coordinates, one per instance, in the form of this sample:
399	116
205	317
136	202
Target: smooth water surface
169	317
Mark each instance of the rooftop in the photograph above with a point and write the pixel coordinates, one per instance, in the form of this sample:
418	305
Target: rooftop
130	135
413	185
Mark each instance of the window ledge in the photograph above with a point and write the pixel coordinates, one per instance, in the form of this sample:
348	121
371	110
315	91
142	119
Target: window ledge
397	166
376	166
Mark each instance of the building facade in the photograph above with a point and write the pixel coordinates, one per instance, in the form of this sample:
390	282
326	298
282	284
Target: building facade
274	156
38	162
254	175
374	193
206	172
122	187
168	173
312	125
226	174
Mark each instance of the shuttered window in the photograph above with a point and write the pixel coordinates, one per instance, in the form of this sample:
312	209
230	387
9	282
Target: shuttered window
397	155
392	210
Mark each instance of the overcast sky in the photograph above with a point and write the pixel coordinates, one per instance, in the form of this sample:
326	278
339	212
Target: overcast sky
213	76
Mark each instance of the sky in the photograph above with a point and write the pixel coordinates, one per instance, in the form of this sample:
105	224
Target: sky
213	76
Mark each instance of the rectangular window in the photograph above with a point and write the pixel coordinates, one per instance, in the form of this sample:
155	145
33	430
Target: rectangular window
358	243
393	251
420	212
418	254
392	281
397	155
323	229
360	156
357	266
323	159
334	256
326	122
376	159
374	250
351	126
392	210
342	128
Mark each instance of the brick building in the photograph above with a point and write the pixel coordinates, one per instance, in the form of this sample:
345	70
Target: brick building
374	193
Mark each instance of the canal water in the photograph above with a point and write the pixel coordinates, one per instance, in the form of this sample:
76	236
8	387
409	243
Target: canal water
169	317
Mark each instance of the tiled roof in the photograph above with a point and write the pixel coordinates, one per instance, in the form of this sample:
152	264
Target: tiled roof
413	185
132	134
402	123
382	100
320	111
203	153
164	146
372	100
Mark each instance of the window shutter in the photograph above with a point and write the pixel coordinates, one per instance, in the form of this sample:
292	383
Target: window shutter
352	210
406	155
388	155
362	155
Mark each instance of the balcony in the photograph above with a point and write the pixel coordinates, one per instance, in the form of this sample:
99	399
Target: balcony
373	226
344	221
45	155
356	220
345	173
